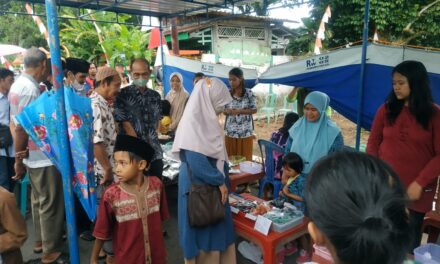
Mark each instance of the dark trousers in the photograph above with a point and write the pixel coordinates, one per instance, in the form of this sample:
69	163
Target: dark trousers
6	172
416	222
156	168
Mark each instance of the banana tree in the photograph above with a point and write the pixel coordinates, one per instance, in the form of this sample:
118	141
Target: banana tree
124	43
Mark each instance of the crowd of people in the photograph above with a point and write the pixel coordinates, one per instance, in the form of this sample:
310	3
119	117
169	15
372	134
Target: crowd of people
365	208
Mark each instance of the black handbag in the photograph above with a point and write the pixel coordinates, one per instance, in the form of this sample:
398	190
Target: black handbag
204	204
5	137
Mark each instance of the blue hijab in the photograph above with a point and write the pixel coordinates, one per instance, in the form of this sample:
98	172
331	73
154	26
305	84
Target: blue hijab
312	140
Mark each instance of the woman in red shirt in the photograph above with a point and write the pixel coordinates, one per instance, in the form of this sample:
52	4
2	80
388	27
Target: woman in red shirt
406	134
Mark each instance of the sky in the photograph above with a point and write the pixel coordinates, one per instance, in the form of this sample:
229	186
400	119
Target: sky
291	14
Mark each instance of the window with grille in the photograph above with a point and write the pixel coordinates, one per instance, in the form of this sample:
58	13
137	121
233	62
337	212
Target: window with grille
230	32
254	33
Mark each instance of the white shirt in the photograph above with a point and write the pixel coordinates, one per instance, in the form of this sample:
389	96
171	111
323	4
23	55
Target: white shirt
4	120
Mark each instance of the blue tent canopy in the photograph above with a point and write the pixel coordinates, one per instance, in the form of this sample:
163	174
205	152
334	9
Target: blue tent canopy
337	74
188	68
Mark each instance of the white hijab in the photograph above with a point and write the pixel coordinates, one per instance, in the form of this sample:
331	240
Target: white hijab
199	129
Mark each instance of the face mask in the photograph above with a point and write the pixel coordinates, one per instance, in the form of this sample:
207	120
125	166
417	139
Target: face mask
141	82
219	109
77	86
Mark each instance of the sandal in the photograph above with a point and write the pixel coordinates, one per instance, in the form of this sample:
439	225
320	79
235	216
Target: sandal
62	259
87	236
33	261
38	248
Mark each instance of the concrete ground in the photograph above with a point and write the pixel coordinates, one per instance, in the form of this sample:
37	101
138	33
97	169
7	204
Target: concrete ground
171	241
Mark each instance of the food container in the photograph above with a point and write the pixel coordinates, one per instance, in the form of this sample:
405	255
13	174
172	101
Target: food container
427	254
236	159
250	167
284	219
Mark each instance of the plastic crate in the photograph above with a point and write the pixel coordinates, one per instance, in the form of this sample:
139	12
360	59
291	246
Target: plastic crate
427	254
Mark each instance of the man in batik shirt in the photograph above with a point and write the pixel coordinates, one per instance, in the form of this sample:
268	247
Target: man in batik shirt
139	110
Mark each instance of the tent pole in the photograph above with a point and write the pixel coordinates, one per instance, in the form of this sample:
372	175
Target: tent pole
362	75
54	44
164	82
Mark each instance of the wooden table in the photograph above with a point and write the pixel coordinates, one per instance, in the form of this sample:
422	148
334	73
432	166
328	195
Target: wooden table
243	177
245	228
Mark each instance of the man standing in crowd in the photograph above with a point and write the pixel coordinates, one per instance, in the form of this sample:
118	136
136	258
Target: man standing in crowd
139	110
76	73
47	195
6	149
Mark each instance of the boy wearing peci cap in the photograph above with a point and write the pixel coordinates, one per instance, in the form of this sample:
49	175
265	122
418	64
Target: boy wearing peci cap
131	211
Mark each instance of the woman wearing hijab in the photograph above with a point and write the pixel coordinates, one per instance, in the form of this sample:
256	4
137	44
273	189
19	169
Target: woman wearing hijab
206	157
314	135
177	98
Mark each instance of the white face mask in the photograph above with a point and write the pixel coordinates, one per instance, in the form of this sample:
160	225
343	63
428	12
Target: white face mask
77	86
219	109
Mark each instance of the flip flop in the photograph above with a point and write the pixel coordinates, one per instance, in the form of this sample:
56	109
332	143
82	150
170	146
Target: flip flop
62	259
87	236
38	248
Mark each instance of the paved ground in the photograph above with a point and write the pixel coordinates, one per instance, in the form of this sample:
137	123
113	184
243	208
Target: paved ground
171	241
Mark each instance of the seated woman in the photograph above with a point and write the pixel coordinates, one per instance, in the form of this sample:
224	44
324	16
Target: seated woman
177	97
280	138
314	135
357	208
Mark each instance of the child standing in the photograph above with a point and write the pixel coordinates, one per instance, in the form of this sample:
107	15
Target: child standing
293	180
131	211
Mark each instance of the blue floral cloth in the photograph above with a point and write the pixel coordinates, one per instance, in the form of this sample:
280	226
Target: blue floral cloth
42	121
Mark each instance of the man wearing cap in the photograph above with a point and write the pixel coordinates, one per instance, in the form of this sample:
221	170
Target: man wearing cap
108	85
76	73
47	188
139	110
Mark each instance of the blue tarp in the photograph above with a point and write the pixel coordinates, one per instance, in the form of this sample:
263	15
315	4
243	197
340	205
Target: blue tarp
188	68
337	74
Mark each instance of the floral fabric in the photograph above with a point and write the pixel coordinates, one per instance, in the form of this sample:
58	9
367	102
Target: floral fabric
241	126
43	120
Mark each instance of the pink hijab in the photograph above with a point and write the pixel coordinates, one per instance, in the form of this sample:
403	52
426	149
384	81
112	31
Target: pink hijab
199	129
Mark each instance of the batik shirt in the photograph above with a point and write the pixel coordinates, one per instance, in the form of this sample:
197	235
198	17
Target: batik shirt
104	130
241	126
143	111
133	220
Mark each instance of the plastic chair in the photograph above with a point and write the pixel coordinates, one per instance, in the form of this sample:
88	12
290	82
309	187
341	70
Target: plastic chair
287	107
269	106
269	167
23	194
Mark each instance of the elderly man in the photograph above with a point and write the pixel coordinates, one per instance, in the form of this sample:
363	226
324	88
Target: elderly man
139	109
6	148
47	195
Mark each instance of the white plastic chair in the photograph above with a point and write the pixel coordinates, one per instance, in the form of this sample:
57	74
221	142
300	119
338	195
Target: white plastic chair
287	107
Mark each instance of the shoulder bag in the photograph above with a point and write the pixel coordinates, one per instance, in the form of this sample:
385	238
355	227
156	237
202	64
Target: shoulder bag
204	204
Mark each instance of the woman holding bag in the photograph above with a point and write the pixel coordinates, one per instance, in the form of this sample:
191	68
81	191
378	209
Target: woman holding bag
204	161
